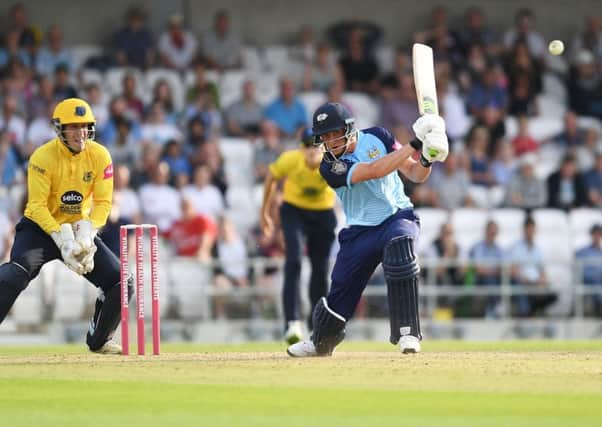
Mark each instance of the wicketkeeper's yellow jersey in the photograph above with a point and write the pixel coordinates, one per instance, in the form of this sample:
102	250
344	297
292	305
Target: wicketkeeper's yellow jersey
64	187
304	187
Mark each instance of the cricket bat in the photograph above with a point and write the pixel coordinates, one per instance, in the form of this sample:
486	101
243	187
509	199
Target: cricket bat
424	79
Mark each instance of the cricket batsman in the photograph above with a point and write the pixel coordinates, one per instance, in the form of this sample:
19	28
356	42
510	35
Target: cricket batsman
362	167
70	188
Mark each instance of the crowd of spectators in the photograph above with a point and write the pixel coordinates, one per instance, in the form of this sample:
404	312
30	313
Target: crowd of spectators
170	169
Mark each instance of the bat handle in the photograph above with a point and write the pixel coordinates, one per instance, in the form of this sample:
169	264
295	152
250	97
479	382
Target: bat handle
417	145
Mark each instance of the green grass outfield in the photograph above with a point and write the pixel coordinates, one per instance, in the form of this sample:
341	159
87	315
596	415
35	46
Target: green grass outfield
523	383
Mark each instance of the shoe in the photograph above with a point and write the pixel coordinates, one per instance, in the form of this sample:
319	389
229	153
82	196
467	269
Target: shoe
409	344
110	347
293	334
302	349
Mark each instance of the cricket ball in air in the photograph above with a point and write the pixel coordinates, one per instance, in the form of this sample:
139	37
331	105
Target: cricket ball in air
556	47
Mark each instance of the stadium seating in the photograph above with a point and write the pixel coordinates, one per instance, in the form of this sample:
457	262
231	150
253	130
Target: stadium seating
174	81
312	100
238	161
251	59
230	86
189	282
363	108
266	87
431	220
114	78
83	52
580	222
510	225
469	227
69	291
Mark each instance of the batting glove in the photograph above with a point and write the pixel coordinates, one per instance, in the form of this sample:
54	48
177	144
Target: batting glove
426	124
435	146
69	248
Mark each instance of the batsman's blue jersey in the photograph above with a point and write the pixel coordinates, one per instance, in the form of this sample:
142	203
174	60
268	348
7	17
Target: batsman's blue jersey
377	210
368	202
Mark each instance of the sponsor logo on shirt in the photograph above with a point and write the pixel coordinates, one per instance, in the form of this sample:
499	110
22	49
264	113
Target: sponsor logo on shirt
71	202
108	173
37	168
88	176
373	153
310	191
338	167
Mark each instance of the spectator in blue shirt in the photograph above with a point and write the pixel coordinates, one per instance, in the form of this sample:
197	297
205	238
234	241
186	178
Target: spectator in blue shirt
53	53
593	182
591	259
134	43
487	257
9	163
177	161
528	270
287	111
487	93
11	50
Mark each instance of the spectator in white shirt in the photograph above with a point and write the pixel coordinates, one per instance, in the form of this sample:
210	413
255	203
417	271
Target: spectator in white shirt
524	30
177	46
204	196
160	202
129	202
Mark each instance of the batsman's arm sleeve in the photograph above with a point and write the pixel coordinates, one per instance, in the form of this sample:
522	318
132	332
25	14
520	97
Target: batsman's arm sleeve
38	190
103	190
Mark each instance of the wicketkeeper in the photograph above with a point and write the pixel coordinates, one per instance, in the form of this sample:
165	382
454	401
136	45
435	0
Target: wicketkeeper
70	188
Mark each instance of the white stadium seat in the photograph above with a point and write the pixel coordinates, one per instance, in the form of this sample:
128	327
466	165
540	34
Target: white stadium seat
251	60
267	87
431	220
541	128
89	76
553	234
230	87
191	282
580	222
312	100
82	52
510	225
552	221
238	161
70	292
114	79
277	58
469	227
363	108
174	81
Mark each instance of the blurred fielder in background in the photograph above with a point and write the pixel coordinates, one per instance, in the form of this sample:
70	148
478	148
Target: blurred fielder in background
306	214
70	188
362	167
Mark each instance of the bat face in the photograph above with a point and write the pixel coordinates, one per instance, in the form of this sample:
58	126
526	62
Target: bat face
424	79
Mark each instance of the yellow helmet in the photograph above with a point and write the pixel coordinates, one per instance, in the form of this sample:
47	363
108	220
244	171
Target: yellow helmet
73	110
